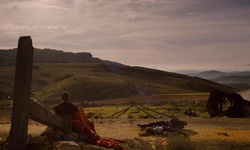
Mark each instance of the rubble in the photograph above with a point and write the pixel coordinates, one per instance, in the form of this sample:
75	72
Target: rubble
69	141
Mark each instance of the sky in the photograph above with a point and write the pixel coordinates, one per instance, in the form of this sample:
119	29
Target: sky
170	35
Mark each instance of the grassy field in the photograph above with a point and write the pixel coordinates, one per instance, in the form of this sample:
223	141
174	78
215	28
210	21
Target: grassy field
98	81
169	104
159	98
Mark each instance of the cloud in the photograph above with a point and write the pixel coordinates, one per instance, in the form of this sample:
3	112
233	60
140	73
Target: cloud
241	3
162	31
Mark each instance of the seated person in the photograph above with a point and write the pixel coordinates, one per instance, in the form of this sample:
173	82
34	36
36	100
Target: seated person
66	107
80	122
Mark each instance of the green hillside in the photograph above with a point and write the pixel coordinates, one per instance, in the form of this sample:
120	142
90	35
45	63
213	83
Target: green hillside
100	80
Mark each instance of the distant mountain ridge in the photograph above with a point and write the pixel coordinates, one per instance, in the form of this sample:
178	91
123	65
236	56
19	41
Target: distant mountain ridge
235	79
8	57
208	74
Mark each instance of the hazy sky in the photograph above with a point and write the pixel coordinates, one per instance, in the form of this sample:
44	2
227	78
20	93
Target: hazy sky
170	35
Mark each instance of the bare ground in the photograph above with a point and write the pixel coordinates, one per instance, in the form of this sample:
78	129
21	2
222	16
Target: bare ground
205	133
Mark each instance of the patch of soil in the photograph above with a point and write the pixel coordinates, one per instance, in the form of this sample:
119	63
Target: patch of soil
204	133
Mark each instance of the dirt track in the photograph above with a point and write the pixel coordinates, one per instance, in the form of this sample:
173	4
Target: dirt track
216	133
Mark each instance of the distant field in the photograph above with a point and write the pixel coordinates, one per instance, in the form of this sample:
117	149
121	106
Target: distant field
168	104
166	98
161	103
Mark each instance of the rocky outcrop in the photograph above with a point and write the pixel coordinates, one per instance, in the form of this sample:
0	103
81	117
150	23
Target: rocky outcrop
70	141
8	57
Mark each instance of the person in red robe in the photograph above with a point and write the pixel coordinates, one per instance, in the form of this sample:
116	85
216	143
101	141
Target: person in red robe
81	124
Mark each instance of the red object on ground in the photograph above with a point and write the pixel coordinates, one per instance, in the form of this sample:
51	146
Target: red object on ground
82	125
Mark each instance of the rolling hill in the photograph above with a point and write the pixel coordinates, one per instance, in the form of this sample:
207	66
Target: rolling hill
95	79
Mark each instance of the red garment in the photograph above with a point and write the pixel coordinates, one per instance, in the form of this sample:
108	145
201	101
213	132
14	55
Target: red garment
110	143
82	125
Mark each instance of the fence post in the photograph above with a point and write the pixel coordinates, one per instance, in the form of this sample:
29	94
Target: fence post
20	110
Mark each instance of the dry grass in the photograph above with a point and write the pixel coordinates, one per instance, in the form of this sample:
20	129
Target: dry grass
204	133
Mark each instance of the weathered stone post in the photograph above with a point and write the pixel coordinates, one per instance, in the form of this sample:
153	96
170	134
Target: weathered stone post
20	111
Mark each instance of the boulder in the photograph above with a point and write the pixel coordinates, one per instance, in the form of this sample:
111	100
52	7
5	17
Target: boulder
71	136
85	146
66	145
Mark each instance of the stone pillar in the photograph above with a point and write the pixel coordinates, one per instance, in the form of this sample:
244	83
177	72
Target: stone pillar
20	110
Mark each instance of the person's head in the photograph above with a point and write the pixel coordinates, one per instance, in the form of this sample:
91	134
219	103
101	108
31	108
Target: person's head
65	96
